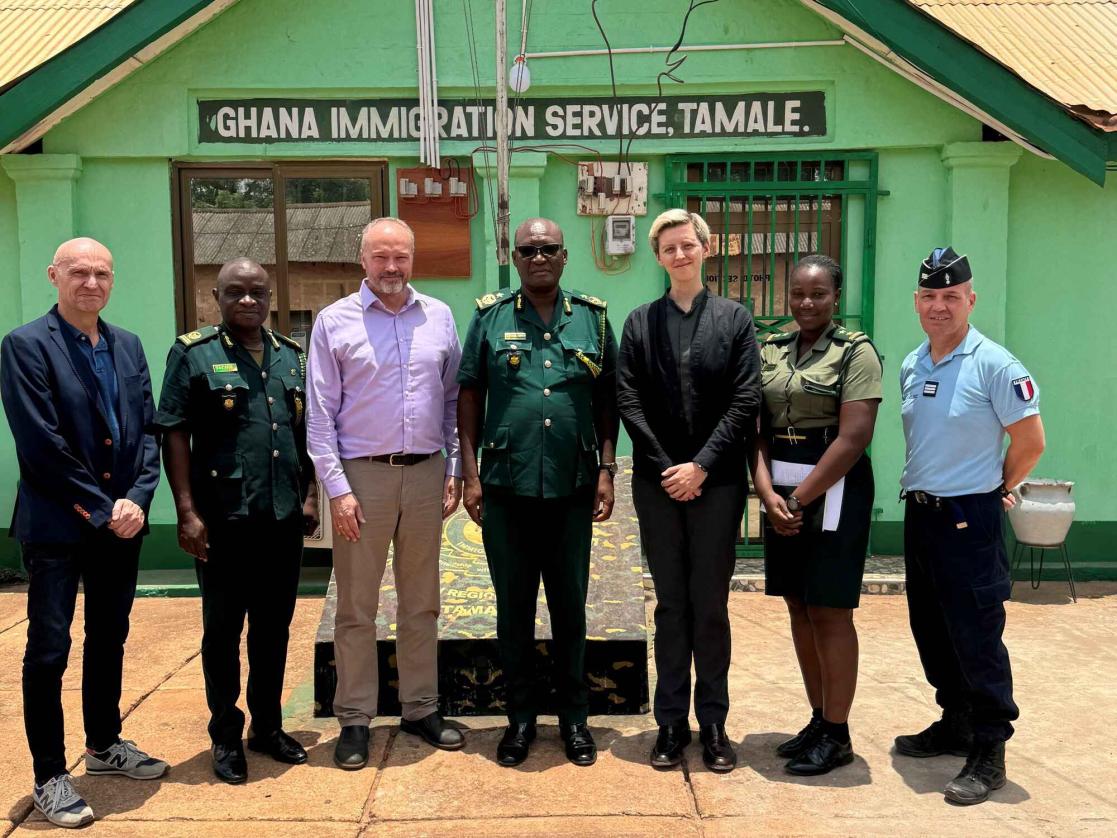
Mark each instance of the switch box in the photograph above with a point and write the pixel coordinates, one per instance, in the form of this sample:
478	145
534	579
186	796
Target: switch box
612	188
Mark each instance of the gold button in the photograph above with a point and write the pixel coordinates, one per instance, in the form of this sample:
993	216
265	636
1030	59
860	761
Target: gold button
108	442
213	473
275	453
228	387
546	336
275	426
106	475
271	399
546	423
546	391
547	364
264	375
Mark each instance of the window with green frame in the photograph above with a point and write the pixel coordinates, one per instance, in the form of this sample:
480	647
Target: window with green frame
766	212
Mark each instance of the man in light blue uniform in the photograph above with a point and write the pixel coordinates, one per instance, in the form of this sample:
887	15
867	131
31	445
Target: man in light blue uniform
961	394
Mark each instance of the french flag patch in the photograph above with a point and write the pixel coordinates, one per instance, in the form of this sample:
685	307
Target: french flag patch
1025	389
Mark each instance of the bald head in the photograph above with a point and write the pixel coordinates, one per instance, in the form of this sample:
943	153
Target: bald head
74	249
537	228
241	267
243	294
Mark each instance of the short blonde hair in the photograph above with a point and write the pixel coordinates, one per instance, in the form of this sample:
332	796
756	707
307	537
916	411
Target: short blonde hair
675	218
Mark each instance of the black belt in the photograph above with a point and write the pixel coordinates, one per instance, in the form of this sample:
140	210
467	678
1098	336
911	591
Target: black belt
399	460
805	436
924	499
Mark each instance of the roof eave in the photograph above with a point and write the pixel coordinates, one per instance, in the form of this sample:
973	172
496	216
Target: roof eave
978	79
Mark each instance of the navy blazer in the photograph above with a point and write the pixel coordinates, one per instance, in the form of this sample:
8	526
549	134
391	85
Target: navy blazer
70	473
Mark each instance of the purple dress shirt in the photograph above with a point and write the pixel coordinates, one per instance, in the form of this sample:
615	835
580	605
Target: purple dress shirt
380	382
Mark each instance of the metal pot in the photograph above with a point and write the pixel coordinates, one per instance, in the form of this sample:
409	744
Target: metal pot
1043	513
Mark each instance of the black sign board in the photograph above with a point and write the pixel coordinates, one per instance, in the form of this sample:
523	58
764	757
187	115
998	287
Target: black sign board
801	114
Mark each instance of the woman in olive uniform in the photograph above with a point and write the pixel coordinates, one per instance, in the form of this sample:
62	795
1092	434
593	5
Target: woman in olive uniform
821	387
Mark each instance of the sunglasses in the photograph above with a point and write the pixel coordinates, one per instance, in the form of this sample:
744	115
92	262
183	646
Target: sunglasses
530	251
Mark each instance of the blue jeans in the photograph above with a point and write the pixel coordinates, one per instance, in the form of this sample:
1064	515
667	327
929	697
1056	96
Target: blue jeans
106	566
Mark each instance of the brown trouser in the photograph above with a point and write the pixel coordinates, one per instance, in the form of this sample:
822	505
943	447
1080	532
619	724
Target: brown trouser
403	507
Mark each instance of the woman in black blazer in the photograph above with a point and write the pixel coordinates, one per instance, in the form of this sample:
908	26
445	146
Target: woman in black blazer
689	394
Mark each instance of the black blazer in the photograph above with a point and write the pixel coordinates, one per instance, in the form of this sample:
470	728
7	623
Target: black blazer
70	473
725	378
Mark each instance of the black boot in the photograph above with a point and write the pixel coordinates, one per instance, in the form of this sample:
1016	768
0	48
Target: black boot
670	744
823	755
717	750
952	734
983	772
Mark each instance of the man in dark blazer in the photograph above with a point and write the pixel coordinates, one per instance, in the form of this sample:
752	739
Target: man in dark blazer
77	395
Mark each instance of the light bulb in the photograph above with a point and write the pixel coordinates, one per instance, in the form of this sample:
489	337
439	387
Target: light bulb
519	76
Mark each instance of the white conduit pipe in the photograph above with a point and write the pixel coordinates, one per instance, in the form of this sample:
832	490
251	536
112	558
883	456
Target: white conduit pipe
422	71
436	155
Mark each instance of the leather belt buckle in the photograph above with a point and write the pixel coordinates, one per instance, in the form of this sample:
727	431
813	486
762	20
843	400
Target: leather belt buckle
392	460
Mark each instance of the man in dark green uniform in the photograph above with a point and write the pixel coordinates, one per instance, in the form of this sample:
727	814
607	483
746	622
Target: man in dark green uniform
234	445
538	372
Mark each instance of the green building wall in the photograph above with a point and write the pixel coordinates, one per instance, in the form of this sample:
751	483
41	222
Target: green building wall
1034	229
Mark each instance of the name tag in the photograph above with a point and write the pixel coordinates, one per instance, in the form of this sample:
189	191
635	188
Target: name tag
931	389
224	367
515	335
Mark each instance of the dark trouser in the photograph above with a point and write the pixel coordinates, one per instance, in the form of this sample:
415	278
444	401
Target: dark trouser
106	566
957	583
525	539
253	569
691	548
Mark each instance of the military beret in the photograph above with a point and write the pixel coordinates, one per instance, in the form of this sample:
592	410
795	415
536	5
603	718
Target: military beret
943	268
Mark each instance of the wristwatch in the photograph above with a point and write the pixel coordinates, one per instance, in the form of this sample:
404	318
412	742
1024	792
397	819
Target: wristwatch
793	504
609	467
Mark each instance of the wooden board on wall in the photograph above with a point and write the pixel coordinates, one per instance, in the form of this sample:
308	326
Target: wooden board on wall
441	225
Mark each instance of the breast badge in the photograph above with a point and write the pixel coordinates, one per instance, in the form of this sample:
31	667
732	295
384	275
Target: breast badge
230	402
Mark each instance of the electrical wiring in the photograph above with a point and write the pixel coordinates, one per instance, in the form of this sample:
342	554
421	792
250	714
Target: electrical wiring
672	66
471	41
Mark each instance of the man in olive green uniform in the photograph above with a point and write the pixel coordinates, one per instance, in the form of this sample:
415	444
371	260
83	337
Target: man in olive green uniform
538	371
234	443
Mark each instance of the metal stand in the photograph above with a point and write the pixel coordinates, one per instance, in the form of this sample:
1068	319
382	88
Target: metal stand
1037	573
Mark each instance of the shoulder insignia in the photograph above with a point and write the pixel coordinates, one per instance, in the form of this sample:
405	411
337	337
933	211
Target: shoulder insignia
844	334
294	344
492	298
782	337
597	302
197	336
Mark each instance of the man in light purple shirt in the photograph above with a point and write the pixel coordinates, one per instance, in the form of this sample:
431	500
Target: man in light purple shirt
382	432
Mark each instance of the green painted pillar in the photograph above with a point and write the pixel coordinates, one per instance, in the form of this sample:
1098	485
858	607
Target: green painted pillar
978	181
46	211
525	183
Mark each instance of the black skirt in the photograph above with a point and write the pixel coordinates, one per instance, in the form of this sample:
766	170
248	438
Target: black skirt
822	568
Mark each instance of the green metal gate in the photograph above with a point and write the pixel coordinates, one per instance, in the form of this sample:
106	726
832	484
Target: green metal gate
767	211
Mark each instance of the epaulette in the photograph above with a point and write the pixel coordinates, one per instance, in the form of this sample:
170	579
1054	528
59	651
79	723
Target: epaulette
844	334
277	338
492	298
198	336
588	299
782	337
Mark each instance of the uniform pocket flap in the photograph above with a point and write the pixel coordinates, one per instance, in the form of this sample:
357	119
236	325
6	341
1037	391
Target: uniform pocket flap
577	344
993	593
225	381
513	346
498	439
819	387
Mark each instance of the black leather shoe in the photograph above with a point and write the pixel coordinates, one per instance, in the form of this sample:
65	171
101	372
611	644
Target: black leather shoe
952	734
802	741
229	764
822	756
983	773
717	750
580	747
435	731
670	744
351	751
514	744
279	746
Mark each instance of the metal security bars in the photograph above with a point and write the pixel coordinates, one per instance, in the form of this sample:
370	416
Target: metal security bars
765	212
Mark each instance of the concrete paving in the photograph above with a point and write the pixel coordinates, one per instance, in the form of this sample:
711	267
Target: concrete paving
1062	763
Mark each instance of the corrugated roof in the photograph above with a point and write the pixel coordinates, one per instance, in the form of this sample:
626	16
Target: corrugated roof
315	233
33	31
1066	48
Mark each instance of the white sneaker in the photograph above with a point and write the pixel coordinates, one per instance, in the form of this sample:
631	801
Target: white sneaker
60	804
126	759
